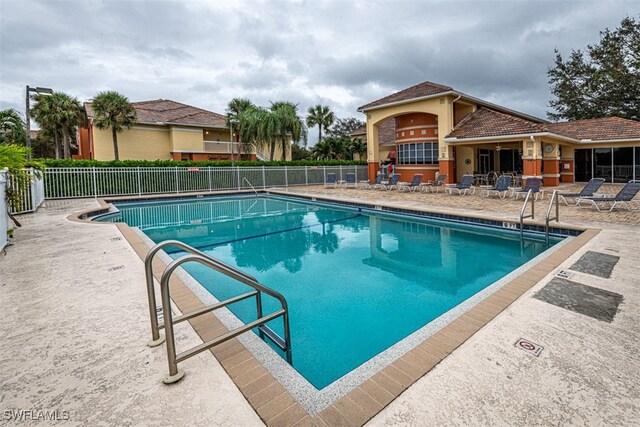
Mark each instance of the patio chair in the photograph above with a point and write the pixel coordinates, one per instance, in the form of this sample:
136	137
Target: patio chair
533	183
437	184
391	184
501	188
592	186
330	180
372	185
623	198
411	186
351	180
465	186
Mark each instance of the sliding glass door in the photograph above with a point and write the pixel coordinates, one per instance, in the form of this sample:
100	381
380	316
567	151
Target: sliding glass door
612	164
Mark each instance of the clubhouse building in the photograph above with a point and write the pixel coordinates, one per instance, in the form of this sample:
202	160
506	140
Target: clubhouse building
429	128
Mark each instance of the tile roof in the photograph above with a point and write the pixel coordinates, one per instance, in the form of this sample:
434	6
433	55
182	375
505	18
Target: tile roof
417	91
601	129
386	132
360	131
485	122
171	112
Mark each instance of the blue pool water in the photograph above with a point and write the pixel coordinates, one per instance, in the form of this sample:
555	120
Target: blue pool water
356	282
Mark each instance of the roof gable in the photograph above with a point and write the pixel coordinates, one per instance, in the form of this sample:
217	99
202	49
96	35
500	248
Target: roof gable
417	91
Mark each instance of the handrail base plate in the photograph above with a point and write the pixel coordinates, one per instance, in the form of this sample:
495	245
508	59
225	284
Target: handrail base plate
171	379
155	343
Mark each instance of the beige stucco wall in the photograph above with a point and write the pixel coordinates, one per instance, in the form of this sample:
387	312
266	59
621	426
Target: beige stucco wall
186	139
216	135
136	143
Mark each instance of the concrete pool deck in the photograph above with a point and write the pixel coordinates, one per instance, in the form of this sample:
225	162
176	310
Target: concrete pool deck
78	334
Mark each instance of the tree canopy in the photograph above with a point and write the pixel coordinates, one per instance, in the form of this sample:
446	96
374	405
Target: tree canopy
604	81
113	110
342	128
12	127
321	116
59	114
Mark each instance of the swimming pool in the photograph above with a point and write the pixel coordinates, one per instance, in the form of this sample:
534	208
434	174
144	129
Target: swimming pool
356	281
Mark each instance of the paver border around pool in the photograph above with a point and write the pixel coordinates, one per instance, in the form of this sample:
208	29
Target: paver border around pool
274	404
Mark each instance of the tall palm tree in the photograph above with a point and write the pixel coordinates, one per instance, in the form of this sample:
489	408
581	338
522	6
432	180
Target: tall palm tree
289	126
235	108
59	112
12	127
113	110
320	115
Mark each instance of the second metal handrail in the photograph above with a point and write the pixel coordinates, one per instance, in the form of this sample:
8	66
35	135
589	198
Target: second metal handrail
548	219
247	181
524	208
168	321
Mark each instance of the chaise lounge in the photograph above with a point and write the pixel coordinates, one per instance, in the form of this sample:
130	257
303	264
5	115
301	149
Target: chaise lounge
465	186
623	198
501	188
416	181
588	190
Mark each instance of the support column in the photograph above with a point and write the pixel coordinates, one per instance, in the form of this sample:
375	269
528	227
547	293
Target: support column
531	159
373	149
446	162
567	164
551	158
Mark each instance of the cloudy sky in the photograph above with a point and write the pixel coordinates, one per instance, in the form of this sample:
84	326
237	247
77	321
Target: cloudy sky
340	53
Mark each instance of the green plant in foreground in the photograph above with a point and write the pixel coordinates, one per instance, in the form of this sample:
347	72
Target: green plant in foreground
16	159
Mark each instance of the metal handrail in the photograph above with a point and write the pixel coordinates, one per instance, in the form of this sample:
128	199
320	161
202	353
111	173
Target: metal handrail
524	207
169	321
247	181
156	339
554	200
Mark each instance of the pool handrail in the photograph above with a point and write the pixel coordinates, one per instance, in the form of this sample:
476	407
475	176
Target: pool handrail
524	207
229	271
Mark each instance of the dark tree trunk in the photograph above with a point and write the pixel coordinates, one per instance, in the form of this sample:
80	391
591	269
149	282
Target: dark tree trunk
67	142
114	133
57	143
284	149
319	132
273	149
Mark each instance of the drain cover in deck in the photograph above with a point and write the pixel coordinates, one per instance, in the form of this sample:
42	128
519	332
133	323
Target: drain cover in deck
587	300
596	263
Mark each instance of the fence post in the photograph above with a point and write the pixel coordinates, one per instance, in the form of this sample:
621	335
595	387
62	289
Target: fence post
95	183
238	174
306	176
33	190
286	177
209	169
264	179
177	184
340	171
139	183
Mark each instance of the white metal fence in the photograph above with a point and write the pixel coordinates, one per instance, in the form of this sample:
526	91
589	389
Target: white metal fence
31	197
4	218
65	183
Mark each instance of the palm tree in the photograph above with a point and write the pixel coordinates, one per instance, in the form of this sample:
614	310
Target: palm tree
289	126
235	108
320	115
60	113
113	110
16	158
12	127
321	151
358	147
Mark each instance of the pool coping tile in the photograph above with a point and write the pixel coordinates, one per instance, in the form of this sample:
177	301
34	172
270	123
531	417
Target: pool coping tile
277	407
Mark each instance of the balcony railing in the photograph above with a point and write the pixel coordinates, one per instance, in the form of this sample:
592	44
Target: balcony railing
225	147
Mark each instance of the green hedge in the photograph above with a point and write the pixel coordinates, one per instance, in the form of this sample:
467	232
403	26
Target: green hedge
67	163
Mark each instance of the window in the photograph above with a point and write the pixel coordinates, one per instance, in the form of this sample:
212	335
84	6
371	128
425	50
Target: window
419	153
613	164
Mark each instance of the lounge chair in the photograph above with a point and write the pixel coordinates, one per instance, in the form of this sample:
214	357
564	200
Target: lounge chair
330	180
465	186
501	188
411	186
623	198
592	186
437	184
391	184
533	183
351	180
371	185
